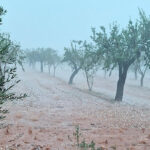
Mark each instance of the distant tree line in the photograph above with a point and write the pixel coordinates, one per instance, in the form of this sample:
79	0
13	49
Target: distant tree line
45	56
117	48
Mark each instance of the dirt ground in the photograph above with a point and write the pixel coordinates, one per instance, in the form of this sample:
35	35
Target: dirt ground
48	117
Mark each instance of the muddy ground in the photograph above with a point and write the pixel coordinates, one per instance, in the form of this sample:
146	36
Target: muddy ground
48	117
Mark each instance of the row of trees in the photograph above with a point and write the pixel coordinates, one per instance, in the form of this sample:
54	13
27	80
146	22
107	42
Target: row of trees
46	57
116	48
10	56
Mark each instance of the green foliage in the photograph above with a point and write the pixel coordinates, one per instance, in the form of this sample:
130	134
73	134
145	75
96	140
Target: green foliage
118	47
83	145
10	56
82	56
91	63
87	146
77	135
74	55
144	29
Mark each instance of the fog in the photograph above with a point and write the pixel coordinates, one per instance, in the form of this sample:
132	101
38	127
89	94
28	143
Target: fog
104	85
74	75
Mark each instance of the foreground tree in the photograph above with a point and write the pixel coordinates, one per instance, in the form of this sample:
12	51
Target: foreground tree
10	56
73	56
121	49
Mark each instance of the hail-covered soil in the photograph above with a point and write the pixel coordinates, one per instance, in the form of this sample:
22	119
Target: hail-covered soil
47	118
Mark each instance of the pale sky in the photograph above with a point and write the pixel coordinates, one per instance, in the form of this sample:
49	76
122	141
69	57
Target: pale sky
54	23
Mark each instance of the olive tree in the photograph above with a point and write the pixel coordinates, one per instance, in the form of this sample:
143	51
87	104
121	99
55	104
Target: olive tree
10	56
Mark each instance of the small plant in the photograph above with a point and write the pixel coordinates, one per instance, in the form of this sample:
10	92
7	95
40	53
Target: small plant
77	135
83	145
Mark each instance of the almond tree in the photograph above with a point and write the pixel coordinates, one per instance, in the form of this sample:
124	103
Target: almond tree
73	56
90	63
120	48
144	29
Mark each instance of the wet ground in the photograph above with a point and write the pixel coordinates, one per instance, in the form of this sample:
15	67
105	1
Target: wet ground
47	119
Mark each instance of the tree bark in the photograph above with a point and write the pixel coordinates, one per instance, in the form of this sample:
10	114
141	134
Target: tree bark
121	82
73	75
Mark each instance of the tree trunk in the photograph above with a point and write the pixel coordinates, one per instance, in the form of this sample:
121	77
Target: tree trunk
89	83
142	75
141	81
105	73
54	71
49	69
73	75
121	82
135	74
41	66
